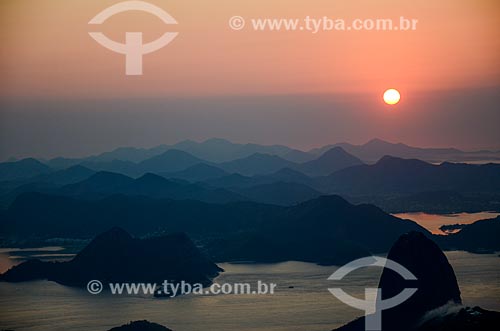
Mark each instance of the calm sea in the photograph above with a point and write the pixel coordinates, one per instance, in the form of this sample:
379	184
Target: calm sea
433	222
308	306
301	302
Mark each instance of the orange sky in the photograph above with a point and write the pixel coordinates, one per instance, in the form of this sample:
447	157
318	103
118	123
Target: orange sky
46	49
62	93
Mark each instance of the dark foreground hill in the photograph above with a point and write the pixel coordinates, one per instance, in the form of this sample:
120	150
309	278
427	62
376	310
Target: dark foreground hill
324	230
140	326
115	256
437	303
480	236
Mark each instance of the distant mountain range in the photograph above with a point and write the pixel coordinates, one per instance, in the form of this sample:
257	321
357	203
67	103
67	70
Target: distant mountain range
375	149
393	183
196	173
174	161
104	184
331	160
246	159
257	164
25	168
266	176
393	175
220	150
212	150
225	202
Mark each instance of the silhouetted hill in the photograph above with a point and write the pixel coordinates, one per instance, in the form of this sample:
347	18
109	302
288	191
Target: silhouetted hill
377	148
480	236
436	281
41	215
434	202
261	164
123	167
237	181
64	177
220	150
131	154
25	168
213	150
437	304
451	228
279	193
232	181
127	154
365	224
332	160
102	182
45	183
105	183
140	326
297	156
115	256
284	175
393	175
9	194
170	161
63	162
324	230
257	164
198	172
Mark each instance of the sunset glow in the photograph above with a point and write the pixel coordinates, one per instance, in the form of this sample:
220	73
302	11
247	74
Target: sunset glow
73	64
156	144
391	96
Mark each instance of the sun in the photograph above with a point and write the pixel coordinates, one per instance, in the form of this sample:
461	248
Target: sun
392	96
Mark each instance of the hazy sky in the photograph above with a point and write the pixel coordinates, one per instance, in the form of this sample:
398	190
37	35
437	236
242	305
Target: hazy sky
63	94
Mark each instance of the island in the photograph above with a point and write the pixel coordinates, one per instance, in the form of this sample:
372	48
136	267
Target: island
117	257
